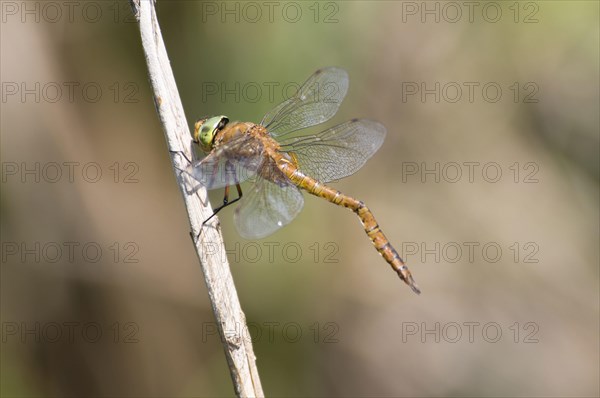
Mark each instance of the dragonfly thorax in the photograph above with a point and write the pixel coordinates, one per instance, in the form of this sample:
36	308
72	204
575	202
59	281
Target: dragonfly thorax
206	129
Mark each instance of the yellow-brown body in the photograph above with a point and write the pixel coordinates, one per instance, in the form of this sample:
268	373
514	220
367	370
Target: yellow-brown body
281	167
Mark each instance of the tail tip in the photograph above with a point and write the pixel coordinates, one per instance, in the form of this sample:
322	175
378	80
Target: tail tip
414	287
408	279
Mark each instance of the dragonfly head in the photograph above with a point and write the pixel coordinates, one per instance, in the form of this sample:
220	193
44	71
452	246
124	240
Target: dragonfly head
206	129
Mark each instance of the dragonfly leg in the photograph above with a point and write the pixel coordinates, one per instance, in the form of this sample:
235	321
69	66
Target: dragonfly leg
180	153
226	202
196	187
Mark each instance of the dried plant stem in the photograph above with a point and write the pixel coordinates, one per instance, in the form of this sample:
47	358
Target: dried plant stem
230	319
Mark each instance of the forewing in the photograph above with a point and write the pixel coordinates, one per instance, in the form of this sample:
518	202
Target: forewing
226	165
266	208
315	102
337	152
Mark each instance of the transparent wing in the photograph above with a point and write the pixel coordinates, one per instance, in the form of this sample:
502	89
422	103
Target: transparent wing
225	165
336	152
266	208
315	102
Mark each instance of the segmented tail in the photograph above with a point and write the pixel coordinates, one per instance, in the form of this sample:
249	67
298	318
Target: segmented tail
370	225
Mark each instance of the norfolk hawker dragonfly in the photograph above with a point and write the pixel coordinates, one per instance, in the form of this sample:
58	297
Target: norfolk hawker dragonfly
279	165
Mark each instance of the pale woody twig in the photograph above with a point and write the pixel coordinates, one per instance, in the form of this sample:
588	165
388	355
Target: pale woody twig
221	290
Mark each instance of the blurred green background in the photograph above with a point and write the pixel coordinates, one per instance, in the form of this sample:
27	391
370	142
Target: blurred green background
327	315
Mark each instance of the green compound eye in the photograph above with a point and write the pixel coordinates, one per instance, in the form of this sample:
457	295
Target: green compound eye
205	131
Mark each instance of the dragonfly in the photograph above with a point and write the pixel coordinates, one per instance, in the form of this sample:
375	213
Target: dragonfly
279	163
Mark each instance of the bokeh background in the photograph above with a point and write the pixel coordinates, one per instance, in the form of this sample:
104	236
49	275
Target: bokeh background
327	316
